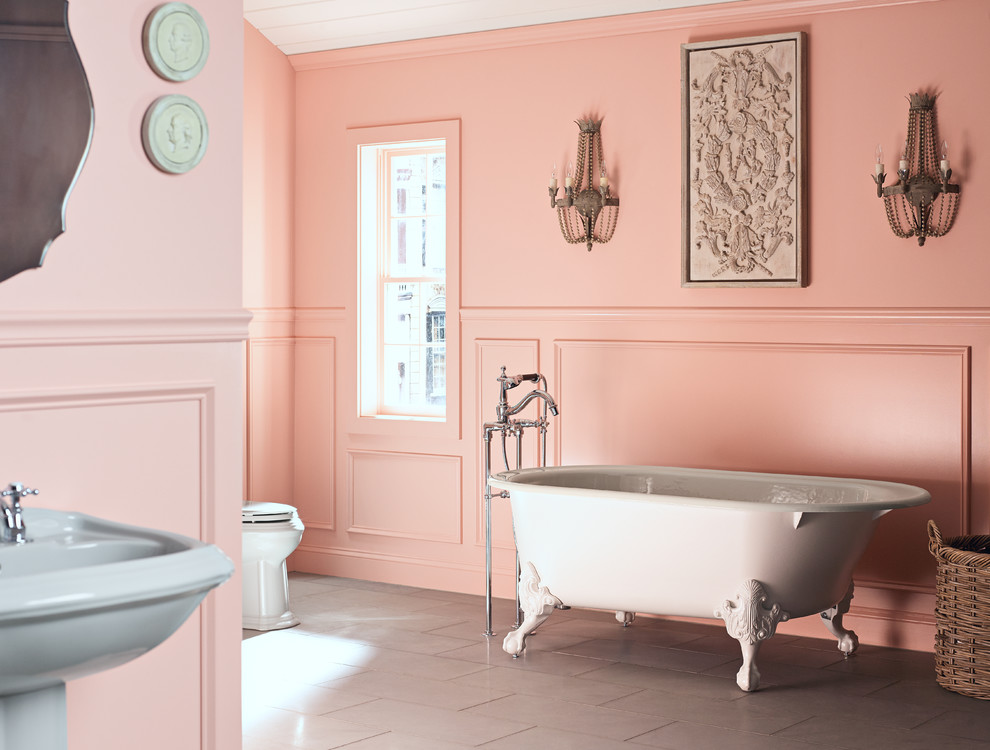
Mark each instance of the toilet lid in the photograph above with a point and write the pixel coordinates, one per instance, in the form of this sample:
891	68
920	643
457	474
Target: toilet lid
266	512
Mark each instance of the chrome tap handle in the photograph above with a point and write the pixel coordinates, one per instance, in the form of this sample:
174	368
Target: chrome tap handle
16	491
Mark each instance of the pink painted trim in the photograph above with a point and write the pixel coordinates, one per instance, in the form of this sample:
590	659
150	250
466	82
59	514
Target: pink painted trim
91	327
974	316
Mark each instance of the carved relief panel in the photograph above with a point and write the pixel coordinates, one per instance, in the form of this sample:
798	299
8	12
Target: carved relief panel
742	141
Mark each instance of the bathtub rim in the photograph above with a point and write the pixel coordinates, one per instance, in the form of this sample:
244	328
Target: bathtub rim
893	495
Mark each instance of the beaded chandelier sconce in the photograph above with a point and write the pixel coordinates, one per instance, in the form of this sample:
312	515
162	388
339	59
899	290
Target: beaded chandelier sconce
922	203
587	212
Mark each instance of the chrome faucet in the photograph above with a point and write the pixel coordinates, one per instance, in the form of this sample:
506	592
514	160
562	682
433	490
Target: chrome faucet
12	530
506	382
507	427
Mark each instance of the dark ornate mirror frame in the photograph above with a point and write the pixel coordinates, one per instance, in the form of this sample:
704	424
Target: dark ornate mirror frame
46	125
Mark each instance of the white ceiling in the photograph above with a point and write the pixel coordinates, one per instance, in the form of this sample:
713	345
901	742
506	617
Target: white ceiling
298	26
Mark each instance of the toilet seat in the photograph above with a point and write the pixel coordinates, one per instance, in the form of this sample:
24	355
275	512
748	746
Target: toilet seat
266	513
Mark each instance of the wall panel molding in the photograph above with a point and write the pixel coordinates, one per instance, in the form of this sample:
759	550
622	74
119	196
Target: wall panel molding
270	374
202	395
729	400
314	431
413	496
93	327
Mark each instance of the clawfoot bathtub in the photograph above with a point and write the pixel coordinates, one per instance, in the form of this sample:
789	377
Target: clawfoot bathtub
751	549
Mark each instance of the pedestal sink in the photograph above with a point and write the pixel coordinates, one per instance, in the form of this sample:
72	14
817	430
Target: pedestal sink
83	595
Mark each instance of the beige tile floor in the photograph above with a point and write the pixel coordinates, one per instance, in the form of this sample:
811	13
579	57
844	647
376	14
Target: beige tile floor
376	666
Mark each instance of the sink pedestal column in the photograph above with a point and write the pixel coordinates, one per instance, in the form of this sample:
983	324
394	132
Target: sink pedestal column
35	720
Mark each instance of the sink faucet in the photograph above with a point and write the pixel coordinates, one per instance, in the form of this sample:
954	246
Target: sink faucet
12	529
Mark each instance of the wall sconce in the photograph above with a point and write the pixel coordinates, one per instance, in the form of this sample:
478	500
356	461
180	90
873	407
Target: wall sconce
923	203
583	204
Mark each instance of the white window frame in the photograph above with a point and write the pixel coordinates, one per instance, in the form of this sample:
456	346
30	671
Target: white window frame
371	225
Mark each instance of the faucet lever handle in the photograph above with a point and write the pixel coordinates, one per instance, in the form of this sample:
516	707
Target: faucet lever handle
16	490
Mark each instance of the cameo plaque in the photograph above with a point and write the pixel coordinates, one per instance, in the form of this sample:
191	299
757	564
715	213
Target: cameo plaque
174	133
176	42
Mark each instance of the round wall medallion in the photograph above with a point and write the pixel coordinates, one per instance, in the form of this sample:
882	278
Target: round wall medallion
176	43
174	133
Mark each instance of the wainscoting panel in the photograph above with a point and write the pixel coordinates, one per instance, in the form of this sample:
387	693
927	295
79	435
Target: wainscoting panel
411	496
314	431
896	413
147	457
270	379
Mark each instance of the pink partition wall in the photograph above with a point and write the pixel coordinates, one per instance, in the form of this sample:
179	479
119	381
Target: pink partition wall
878	369
121	392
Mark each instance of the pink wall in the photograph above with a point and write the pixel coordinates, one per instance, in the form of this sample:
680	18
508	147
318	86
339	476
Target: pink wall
878	369
122	392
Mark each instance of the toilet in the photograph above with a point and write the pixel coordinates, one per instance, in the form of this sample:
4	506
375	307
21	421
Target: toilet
270	533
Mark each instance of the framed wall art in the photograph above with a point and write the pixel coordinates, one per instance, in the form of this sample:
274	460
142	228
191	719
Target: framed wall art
742	140
176	41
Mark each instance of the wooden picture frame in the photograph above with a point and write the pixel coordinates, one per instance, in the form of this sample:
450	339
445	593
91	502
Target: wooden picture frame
743	162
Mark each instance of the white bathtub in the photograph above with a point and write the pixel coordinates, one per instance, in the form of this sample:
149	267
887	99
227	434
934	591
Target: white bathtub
752	549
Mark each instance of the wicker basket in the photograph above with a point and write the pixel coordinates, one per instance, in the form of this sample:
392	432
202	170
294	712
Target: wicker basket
962	613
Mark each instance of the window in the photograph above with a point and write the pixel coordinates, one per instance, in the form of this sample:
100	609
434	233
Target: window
403	269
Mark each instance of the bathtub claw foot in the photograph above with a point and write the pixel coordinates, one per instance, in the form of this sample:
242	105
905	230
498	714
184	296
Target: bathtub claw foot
537	604
625	618
751	618
832	619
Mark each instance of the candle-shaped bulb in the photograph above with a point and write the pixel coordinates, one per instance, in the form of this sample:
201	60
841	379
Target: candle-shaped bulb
945	156
553	177
903	164
603	180
879	165
569	179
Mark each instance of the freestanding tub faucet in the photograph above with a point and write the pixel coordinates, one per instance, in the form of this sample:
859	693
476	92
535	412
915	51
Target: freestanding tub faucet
505	426
12	529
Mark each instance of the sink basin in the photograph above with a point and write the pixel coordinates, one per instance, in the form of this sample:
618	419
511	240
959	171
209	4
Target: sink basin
84	595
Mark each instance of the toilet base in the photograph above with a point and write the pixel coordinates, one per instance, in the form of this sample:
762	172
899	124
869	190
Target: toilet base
284	620
265	591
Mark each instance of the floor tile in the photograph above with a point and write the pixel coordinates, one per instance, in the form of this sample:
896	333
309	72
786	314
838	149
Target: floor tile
930	693
438	693
725	714
419	665
552	662
297	696
971	725
400	639
543	738
400	741
839	732
304	731
548	685
841	704
571	717
427	721
648	656
680	735
667	680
